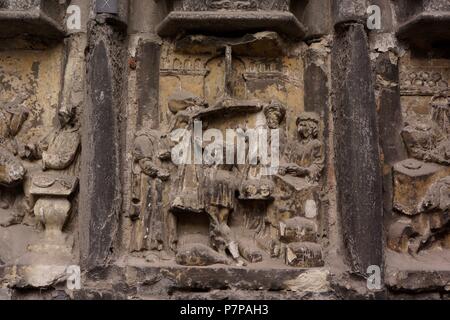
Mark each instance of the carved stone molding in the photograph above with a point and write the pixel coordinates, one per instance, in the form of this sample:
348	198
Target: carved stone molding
231	17
41	18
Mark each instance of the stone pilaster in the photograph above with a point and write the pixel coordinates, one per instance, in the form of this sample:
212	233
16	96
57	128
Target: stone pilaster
357	159
100	196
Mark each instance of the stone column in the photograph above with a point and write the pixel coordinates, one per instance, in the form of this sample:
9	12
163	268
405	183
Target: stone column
357	158
100	198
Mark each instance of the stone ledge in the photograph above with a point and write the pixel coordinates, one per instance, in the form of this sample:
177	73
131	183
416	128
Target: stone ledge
217	277
427	273
426	29
32	23
231	22
180	277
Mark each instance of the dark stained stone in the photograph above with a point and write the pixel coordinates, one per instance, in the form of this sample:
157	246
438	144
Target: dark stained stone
316	90
148	58
426	29
357	158
316	16
101	159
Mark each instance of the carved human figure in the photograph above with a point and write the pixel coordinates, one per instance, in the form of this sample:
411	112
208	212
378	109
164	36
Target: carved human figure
151	156
60	147
187	196
430	141
220	185
437	197
306	158
425	222
257	167
12	172
12	116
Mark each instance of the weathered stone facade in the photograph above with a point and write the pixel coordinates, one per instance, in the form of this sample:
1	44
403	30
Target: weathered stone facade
94	121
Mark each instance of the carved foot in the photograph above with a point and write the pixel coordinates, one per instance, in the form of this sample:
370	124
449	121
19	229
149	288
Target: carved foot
4	204
199	255
9	217
250	253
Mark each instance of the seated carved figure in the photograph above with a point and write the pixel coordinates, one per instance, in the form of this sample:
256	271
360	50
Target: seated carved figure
12	116
438	196
422	184
12	172
305	156
60	147
430	141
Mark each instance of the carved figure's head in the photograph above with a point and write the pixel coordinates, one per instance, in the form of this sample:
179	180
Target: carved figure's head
308	125
11	173
275	113
66	114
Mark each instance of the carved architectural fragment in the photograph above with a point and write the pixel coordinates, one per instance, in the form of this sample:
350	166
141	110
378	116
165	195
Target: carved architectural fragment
224	148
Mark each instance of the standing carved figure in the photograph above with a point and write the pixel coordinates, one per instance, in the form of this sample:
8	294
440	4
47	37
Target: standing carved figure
149	174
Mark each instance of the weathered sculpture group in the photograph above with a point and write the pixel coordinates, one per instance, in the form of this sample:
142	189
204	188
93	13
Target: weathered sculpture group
421	183
226	212
38	179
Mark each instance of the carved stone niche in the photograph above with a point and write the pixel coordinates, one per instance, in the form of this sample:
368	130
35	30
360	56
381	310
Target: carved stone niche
41	18
247	212
233	16
423	23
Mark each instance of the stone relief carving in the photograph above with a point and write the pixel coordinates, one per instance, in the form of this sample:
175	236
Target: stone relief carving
52	209
204	213
421	192
427	139
424	81
12	170
37	181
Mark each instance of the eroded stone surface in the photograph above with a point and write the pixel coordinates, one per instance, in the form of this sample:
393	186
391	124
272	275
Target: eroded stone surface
92	129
